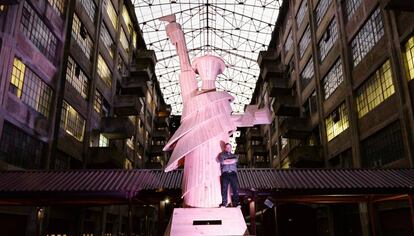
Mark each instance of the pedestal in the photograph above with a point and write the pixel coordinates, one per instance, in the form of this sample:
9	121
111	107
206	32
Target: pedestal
206	221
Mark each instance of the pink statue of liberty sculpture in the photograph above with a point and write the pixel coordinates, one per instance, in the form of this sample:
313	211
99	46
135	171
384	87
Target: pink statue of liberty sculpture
206	123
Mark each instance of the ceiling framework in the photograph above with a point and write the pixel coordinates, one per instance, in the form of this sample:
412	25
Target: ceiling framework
233	30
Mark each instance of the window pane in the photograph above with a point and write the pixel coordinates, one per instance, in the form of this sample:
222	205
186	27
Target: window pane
383	147
134	39
304	41
351	6
107	39
58	5
370	33
113	16
103	71
36	93
375	90
333	79
127	19
34	29
72	122
77	78
20	149
124	41
30	88
103	141
321	9
328	39
97	103
81	35
301	12
90	8
17	78
409	58
337	122
289	42
307	74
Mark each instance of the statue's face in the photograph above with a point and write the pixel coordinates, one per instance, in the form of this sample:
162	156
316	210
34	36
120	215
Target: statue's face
228	148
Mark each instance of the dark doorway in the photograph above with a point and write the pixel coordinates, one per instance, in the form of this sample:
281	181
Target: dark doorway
346	220
296	220
395	222
13	225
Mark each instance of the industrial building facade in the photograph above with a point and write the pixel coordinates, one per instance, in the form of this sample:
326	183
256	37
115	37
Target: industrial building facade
78	90
338	76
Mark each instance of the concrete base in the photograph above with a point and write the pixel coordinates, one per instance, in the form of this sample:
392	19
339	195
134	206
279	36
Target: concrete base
206	221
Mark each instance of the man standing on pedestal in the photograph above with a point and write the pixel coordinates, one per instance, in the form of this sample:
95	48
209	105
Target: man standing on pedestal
228	164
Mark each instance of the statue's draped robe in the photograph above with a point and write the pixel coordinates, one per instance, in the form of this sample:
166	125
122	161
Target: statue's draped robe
205	125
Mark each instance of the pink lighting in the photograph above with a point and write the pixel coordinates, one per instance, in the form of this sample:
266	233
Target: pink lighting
206	124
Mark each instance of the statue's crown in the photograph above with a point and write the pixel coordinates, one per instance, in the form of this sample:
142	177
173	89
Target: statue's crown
208	67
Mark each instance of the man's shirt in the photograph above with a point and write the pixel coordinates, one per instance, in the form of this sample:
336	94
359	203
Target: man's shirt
227	167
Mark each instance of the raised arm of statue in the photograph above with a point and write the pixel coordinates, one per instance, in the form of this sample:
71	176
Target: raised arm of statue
176	35
253	116
188	82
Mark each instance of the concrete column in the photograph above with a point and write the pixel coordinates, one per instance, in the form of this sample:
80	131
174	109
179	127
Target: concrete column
331	226
161	216
129	220
120	220
115	223
103	221
411	203
34	221
80	222
276	222
57	102
364	218
252	211
372	217
100	224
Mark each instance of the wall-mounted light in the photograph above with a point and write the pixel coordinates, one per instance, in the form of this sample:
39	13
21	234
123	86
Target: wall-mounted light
40	213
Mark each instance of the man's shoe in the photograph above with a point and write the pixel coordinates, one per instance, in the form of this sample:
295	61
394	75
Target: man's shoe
222	205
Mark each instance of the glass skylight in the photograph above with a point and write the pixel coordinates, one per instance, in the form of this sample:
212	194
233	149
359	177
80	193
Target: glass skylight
233	30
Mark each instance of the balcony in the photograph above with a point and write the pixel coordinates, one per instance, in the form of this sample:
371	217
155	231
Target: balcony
143	65
241	139
262	164
153	165
399	5
306	156
161	121
105	157
254	134
270	65
295	128
286	106
155	150
160	134
278	86
127	105
117	127
259	150
132	85
264	56
240	149
10	2
164	110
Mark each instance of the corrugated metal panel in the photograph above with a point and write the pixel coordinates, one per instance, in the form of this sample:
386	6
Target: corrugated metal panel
132	181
